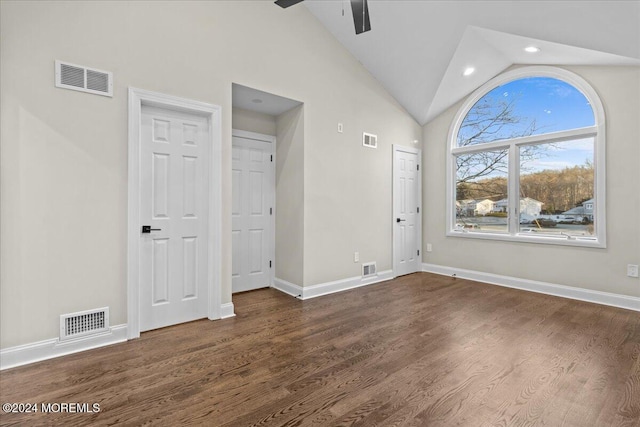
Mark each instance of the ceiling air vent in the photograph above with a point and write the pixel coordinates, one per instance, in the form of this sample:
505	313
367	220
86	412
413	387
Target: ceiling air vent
368	269
369	140
75	325
84	79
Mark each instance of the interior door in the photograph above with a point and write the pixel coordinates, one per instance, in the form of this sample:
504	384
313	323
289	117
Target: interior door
406	209
174	209
252	212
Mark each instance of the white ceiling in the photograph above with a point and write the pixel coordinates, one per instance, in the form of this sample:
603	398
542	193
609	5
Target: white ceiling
418	49
262	102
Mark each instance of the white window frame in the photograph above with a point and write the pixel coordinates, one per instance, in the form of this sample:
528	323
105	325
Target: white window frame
597	132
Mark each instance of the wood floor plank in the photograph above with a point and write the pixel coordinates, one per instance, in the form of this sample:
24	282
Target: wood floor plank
419	350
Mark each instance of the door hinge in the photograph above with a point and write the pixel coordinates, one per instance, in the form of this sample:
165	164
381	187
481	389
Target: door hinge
418	209
269	264
270	211
272	157
418	167
418	252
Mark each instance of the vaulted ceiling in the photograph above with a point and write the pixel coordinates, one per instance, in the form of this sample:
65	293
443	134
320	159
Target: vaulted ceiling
419	49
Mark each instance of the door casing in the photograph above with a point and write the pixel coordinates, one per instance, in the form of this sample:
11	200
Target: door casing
138	98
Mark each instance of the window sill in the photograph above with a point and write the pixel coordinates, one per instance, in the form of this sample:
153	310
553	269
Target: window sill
522	238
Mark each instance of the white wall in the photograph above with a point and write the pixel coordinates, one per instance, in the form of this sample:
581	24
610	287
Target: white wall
64	154
252	121
595	269
290	196
348	186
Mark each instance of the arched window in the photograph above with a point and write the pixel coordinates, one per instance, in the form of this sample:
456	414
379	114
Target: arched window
526	160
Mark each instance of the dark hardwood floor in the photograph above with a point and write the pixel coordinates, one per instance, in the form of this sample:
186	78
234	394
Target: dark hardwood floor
421	350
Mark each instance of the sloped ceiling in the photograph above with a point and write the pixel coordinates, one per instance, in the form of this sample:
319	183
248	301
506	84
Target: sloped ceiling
418	49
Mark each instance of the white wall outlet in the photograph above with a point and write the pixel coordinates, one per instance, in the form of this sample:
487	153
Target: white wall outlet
340	128
429	247
632	270
356	256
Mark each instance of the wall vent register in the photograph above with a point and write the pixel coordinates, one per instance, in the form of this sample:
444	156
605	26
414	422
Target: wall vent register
83	79
80	324
369	140
368	269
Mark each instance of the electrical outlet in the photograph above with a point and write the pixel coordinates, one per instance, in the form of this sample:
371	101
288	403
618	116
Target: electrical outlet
356	256
340	128
429	247
632	270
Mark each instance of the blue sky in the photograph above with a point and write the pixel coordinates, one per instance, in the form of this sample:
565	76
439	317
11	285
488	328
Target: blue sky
555	106
561	155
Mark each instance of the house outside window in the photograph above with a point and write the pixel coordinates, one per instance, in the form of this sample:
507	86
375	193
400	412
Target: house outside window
582	213
526	161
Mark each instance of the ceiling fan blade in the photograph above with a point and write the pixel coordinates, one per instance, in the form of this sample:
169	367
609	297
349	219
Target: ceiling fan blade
360	15
286	3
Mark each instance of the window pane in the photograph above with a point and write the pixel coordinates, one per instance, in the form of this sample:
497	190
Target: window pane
524	107
557	188
481	181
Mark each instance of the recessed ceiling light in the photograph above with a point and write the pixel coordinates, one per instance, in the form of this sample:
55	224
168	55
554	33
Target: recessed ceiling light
257	101
468	71
532	49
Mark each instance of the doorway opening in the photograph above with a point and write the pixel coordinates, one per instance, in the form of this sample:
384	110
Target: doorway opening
267	189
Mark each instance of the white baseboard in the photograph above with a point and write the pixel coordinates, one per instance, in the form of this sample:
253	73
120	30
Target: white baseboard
313	291
48	349
344	284
598	297
227	310
287	287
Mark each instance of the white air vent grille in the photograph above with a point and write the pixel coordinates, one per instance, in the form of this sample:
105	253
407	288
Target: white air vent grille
97	81
74	325
368	269
71	76
77	77
369	140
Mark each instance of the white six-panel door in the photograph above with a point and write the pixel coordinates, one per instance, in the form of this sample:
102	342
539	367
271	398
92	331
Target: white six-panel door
253	197
406	210
173	202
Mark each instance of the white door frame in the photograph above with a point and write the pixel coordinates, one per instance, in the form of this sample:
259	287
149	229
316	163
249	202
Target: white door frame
272	236
138	98
417	151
